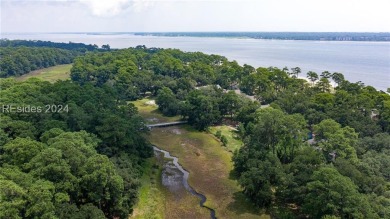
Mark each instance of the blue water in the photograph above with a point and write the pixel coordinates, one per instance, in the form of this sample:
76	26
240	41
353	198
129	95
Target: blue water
368	62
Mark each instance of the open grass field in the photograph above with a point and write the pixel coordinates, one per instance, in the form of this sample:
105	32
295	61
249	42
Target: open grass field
52	74
234	143
149	111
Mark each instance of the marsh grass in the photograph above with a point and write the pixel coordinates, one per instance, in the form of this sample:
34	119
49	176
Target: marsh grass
150	196
210	168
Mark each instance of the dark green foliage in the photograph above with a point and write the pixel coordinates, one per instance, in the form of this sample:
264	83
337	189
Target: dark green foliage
50	168
218	134
19	57
167	102
330	193
277	132
40	43
20	151
21	60
262	171
202	109
333	139
298	174
71	211
224	140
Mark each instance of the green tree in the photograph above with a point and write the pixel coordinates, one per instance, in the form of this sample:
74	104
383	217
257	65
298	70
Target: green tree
202	110
258	179
230	103
298	173
167	102
20	151
218	134
337	141
224	140
101	184
49	164
338	77
40	201
295	72
326	74
277	132
312	76
330	193
324	85
13	199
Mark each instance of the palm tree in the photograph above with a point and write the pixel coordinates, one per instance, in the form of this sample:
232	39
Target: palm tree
296	71
337	77
312	76
285	69
326	74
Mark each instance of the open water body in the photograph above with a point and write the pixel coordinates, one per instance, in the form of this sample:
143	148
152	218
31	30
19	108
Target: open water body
368	62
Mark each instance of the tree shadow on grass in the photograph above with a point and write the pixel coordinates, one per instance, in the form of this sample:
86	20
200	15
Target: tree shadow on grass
233	175
242	205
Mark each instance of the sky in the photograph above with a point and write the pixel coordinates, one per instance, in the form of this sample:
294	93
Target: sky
194	15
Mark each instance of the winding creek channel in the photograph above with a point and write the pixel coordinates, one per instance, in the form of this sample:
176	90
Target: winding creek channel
172	171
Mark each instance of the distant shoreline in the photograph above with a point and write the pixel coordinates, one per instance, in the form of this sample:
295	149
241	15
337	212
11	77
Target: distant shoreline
312	36
365	61
300	36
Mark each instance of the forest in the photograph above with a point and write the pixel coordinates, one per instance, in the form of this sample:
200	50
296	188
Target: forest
310	150
19	57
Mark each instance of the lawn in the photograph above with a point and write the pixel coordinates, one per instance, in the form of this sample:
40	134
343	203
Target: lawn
52	74
233	141
149	111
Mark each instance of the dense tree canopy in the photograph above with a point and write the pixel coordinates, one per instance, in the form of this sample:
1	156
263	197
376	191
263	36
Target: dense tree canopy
70	164
21	60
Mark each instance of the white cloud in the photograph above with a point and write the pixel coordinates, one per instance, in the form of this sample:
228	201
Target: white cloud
194	15
106	8
140	5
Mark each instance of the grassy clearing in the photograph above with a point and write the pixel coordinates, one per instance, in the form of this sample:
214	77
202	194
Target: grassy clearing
210	167
209	164
150	198
52	74
149	111
234	143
